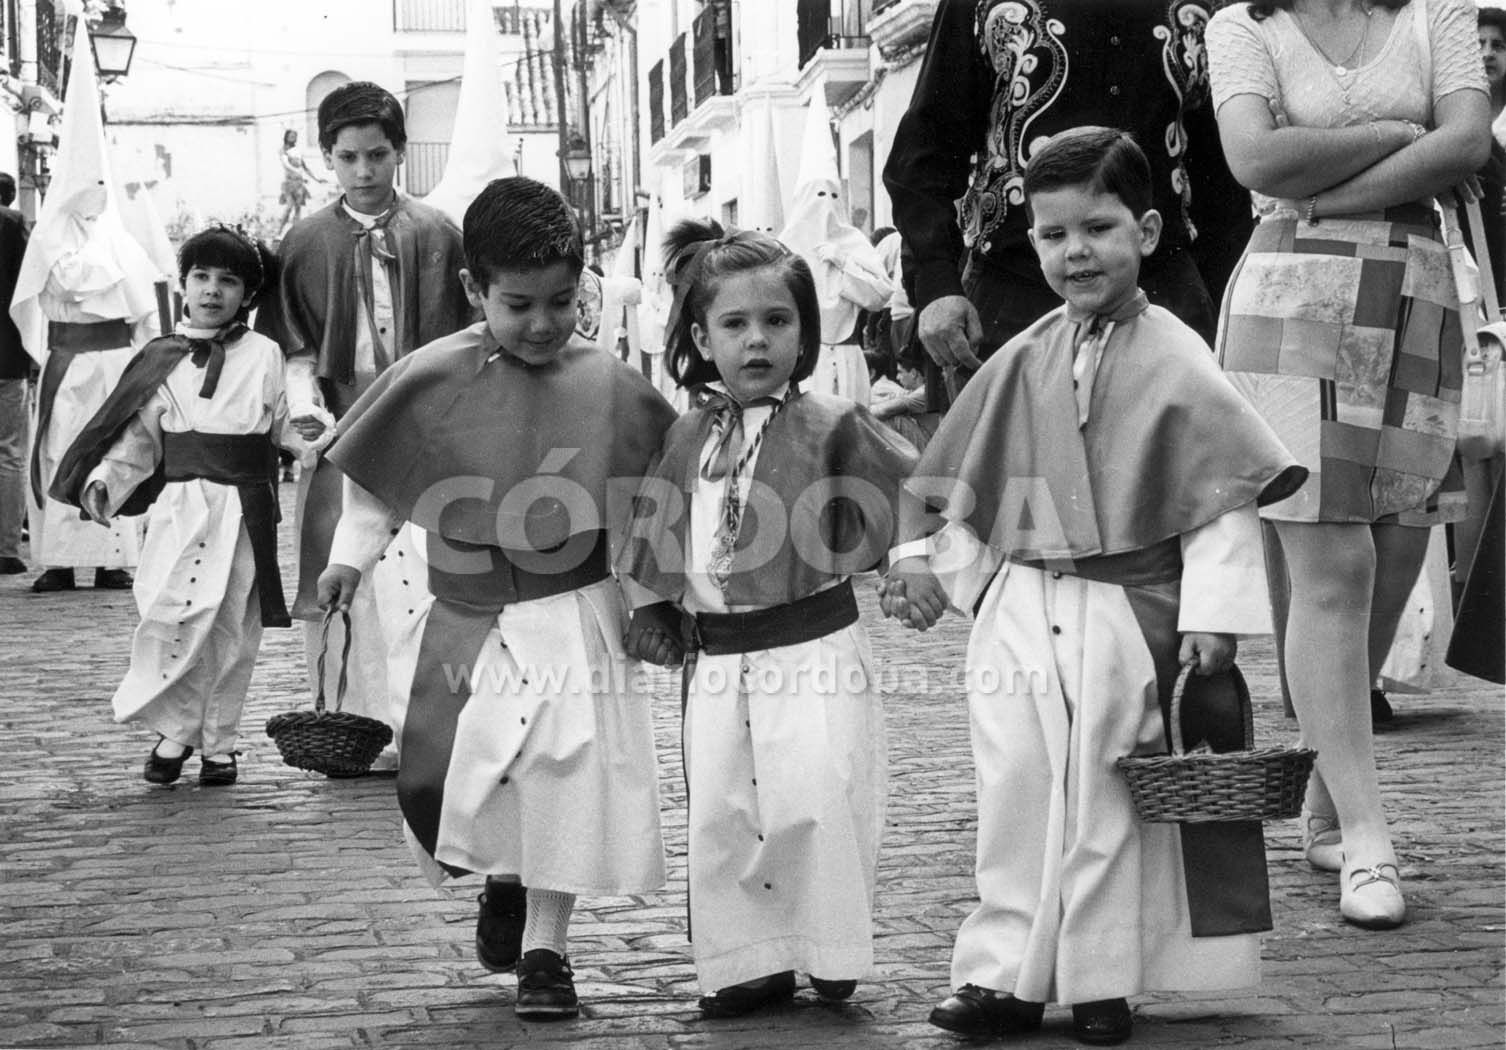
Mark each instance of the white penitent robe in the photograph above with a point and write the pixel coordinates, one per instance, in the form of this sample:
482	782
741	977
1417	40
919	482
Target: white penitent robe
785	758
1078	900
193	652
552	774
59	537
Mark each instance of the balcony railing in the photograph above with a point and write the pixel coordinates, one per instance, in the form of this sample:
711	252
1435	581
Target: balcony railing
711	52
819	29
423	165
428	16
656	102
678	103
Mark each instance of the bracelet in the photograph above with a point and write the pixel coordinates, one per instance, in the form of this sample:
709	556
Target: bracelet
1417	130
1375	130
1312	210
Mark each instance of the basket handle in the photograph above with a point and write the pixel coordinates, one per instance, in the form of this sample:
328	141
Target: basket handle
1247	715
329	618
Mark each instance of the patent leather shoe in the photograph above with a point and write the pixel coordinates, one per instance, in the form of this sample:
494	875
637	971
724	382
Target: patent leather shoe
972	1010
113	580
833	991
159	770
217	774
54	580
499	925
744	998
1102	1023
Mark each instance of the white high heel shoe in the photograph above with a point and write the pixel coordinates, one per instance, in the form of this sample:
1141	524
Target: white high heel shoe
1371	897
1322	841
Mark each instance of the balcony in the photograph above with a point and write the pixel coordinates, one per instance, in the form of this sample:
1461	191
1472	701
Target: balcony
423	166
428	16
833	52
896	26
10	35
699	78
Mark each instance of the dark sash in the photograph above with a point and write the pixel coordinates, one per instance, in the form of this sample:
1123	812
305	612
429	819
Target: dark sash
1228	888
248	462
814	616
466	607
64	339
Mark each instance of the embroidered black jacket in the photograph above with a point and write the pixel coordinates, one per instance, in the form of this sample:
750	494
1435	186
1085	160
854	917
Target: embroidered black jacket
1001	75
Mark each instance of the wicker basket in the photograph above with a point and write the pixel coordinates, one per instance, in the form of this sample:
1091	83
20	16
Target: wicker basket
335	743
1253	784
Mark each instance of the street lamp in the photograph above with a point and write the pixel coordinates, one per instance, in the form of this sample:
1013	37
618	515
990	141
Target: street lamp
113	44
577	157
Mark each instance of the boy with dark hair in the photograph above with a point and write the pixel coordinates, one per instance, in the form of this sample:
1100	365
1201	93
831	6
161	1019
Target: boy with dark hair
364	281
534	765
191	433
1097	481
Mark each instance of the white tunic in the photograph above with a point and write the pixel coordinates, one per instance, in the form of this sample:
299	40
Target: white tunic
785	758
59	537
1078	900
192	655
553	776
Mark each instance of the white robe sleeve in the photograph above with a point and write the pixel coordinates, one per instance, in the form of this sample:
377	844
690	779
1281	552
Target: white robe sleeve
869	288
366	527
1223	576
134	456
303	391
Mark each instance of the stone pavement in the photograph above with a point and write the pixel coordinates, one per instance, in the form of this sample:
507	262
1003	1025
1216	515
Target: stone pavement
285	912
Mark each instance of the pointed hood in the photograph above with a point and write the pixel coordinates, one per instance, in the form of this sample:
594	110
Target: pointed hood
765	195
480	147
818	217
79	225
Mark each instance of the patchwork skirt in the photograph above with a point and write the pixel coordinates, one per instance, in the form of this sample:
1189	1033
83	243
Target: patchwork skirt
1345	336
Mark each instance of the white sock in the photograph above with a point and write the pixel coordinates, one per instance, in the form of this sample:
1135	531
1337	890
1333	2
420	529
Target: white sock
548	920
170	749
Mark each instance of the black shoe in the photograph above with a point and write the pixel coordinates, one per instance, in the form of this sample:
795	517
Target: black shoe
1380	708
54	580
744	998
159	770
1102	1023
546	987
972	1010
11	566
499	926
833	991
112	580
217	774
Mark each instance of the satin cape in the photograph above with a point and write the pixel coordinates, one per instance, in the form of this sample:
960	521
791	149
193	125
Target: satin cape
1169	444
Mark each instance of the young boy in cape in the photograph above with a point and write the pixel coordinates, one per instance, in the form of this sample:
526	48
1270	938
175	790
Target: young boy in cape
528	751
1098	481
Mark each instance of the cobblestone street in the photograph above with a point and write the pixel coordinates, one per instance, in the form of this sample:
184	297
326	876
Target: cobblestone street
286	911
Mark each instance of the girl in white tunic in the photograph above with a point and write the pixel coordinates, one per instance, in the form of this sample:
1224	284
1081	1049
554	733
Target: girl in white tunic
783	732
191	430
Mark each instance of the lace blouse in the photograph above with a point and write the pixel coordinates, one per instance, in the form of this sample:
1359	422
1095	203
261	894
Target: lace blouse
1274	59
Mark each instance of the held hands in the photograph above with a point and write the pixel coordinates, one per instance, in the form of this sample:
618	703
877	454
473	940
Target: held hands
337	586
653	635
95	503
912	594
1212	653
950	331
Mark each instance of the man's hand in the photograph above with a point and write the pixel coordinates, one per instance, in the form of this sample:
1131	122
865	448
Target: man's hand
912	594
951	332
1213	653
95	503
337	586
653	635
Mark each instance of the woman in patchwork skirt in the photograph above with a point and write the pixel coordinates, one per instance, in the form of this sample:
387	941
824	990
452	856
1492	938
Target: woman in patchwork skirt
1341	326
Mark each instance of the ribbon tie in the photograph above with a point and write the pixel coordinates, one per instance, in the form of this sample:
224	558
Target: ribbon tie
1094	335
372	246
728	434
209	354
